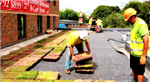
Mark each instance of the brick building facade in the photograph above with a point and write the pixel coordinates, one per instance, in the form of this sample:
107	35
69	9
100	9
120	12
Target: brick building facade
18	26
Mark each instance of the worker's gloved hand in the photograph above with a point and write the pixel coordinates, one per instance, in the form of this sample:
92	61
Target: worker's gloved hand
143	60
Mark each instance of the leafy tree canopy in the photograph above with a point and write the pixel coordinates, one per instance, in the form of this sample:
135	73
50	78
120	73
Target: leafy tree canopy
103	11
69	14
142	8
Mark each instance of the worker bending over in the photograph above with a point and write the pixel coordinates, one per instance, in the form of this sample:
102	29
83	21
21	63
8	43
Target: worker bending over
76	39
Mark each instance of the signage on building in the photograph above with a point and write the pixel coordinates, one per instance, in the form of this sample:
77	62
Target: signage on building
32	6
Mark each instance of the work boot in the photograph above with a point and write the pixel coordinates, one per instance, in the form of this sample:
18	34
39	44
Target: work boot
67	71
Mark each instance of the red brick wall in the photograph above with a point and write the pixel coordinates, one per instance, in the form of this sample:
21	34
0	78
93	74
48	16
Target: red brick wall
44	24
8	29
31	26
51	22
9	32
54	9
57	22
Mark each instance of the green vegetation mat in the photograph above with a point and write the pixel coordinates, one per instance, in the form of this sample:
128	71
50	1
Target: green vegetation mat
38	46
47	75
57	50
47	47
17	68
27	75
9	74
40	53
43	40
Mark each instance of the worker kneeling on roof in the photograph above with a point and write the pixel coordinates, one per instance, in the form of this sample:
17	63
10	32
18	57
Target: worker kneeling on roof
77	39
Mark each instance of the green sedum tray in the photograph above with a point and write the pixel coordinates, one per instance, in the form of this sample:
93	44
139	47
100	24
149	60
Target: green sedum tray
27	75
85	64
47	75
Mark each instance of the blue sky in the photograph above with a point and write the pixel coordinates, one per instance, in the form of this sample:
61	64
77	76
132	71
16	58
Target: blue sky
87	6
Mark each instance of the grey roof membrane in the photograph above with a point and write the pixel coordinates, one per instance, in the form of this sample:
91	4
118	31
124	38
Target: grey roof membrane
108	64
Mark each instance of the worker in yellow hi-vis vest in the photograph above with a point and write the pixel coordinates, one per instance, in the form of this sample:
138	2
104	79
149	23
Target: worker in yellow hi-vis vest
99	25
77	39
139	43
90	22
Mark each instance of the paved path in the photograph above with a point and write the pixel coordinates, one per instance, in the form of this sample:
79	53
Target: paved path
108	64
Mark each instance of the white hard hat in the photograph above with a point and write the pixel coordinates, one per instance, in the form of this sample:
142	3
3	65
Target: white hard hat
83	35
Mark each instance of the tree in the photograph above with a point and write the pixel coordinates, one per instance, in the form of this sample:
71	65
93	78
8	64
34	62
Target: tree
68	14
61	16
142	9
103	11
115	20
85	19
144	12
115	9
71	15
133	4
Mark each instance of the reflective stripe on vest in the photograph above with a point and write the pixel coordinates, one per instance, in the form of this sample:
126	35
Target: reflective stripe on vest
136	44
140	42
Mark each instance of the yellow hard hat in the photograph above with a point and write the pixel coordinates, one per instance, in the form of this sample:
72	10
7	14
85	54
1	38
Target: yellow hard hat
129	12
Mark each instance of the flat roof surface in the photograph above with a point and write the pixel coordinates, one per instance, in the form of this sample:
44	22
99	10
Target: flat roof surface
108	63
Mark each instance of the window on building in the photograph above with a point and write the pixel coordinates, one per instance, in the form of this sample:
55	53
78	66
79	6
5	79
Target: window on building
54	22
54	2
21	26
48	22
39	24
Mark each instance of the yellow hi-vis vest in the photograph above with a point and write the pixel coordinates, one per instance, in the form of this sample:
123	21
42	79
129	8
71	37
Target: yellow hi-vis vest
76	35
136	44
99	22
90	21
